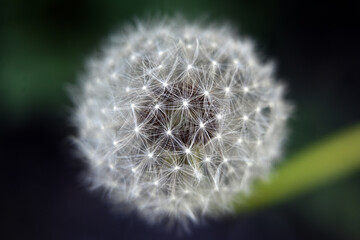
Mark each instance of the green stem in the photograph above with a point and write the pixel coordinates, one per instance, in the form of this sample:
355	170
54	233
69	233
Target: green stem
324	161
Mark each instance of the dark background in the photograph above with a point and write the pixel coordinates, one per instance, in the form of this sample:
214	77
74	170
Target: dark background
43	45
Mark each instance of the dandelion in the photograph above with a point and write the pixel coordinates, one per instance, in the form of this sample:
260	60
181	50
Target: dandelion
175	119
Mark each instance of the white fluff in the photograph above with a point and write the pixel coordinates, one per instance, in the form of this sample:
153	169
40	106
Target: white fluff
176	118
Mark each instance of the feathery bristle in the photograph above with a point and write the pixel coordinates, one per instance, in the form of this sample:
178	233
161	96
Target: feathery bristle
176	118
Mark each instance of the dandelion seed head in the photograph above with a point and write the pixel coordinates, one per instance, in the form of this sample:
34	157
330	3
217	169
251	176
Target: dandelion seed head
168	119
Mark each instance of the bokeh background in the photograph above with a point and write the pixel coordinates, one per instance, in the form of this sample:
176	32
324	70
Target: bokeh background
43	45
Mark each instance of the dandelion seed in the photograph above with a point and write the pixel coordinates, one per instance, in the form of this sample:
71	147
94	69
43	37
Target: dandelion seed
154	136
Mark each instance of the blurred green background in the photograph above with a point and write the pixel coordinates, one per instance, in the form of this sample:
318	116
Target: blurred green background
43	46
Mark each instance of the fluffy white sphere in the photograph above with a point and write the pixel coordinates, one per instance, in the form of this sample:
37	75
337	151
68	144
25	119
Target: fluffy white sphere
175	119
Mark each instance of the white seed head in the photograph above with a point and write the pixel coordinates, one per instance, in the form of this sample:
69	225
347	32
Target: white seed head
151	133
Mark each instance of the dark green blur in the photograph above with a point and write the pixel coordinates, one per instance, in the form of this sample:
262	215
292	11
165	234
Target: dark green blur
43	46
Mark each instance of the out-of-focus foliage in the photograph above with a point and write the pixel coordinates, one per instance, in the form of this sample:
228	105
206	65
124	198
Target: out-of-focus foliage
43	45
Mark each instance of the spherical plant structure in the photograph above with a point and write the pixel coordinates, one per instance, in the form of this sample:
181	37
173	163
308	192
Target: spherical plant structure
176	118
